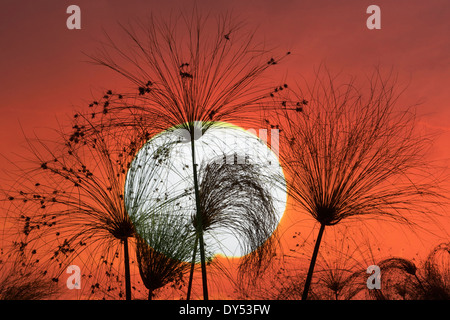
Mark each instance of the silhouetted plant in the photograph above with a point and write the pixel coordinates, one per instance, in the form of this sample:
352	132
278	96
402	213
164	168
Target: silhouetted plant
235	201
396	276
352	153
164	239
403	279
188	77
78	202
340	271
164	244
341	267
437	273
23	278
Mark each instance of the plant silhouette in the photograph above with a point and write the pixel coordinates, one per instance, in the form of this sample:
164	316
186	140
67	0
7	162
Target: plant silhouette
403	279
235	200
352	153
78	209
349	150
188	77
164	244
22	277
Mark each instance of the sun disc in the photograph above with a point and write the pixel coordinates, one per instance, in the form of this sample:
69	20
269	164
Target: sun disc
162	171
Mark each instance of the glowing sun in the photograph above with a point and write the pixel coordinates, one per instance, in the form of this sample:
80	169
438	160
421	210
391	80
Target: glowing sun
162	171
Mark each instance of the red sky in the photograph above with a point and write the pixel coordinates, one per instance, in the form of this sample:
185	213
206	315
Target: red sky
44	74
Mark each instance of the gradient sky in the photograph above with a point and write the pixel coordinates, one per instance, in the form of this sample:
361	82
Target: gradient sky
44	73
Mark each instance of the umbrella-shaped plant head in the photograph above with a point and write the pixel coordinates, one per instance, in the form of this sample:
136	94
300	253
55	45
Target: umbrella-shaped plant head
164	240
237	208
436	283
72	201
164	244
191	72
189	68
239	199
409	280
399	280
352	153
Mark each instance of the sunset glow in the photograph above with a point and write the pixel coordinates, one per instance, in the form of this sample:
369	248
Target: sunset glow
50	84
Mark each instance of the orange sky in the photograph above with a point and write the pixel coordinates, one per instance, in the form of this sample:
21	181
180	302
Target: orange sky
44	76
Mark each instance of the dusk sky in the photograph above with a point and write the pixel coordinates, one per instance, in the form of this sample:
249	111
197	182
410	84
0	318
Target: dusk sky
45	75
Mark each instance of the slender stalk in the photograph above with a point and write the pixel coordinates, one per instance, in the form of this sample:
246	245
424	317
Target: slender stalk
127	270
199	226
150	295
203	265
313	262
191	275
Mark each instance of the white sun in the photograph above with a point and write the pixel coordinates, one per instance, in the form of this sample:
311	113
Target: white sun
164	168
